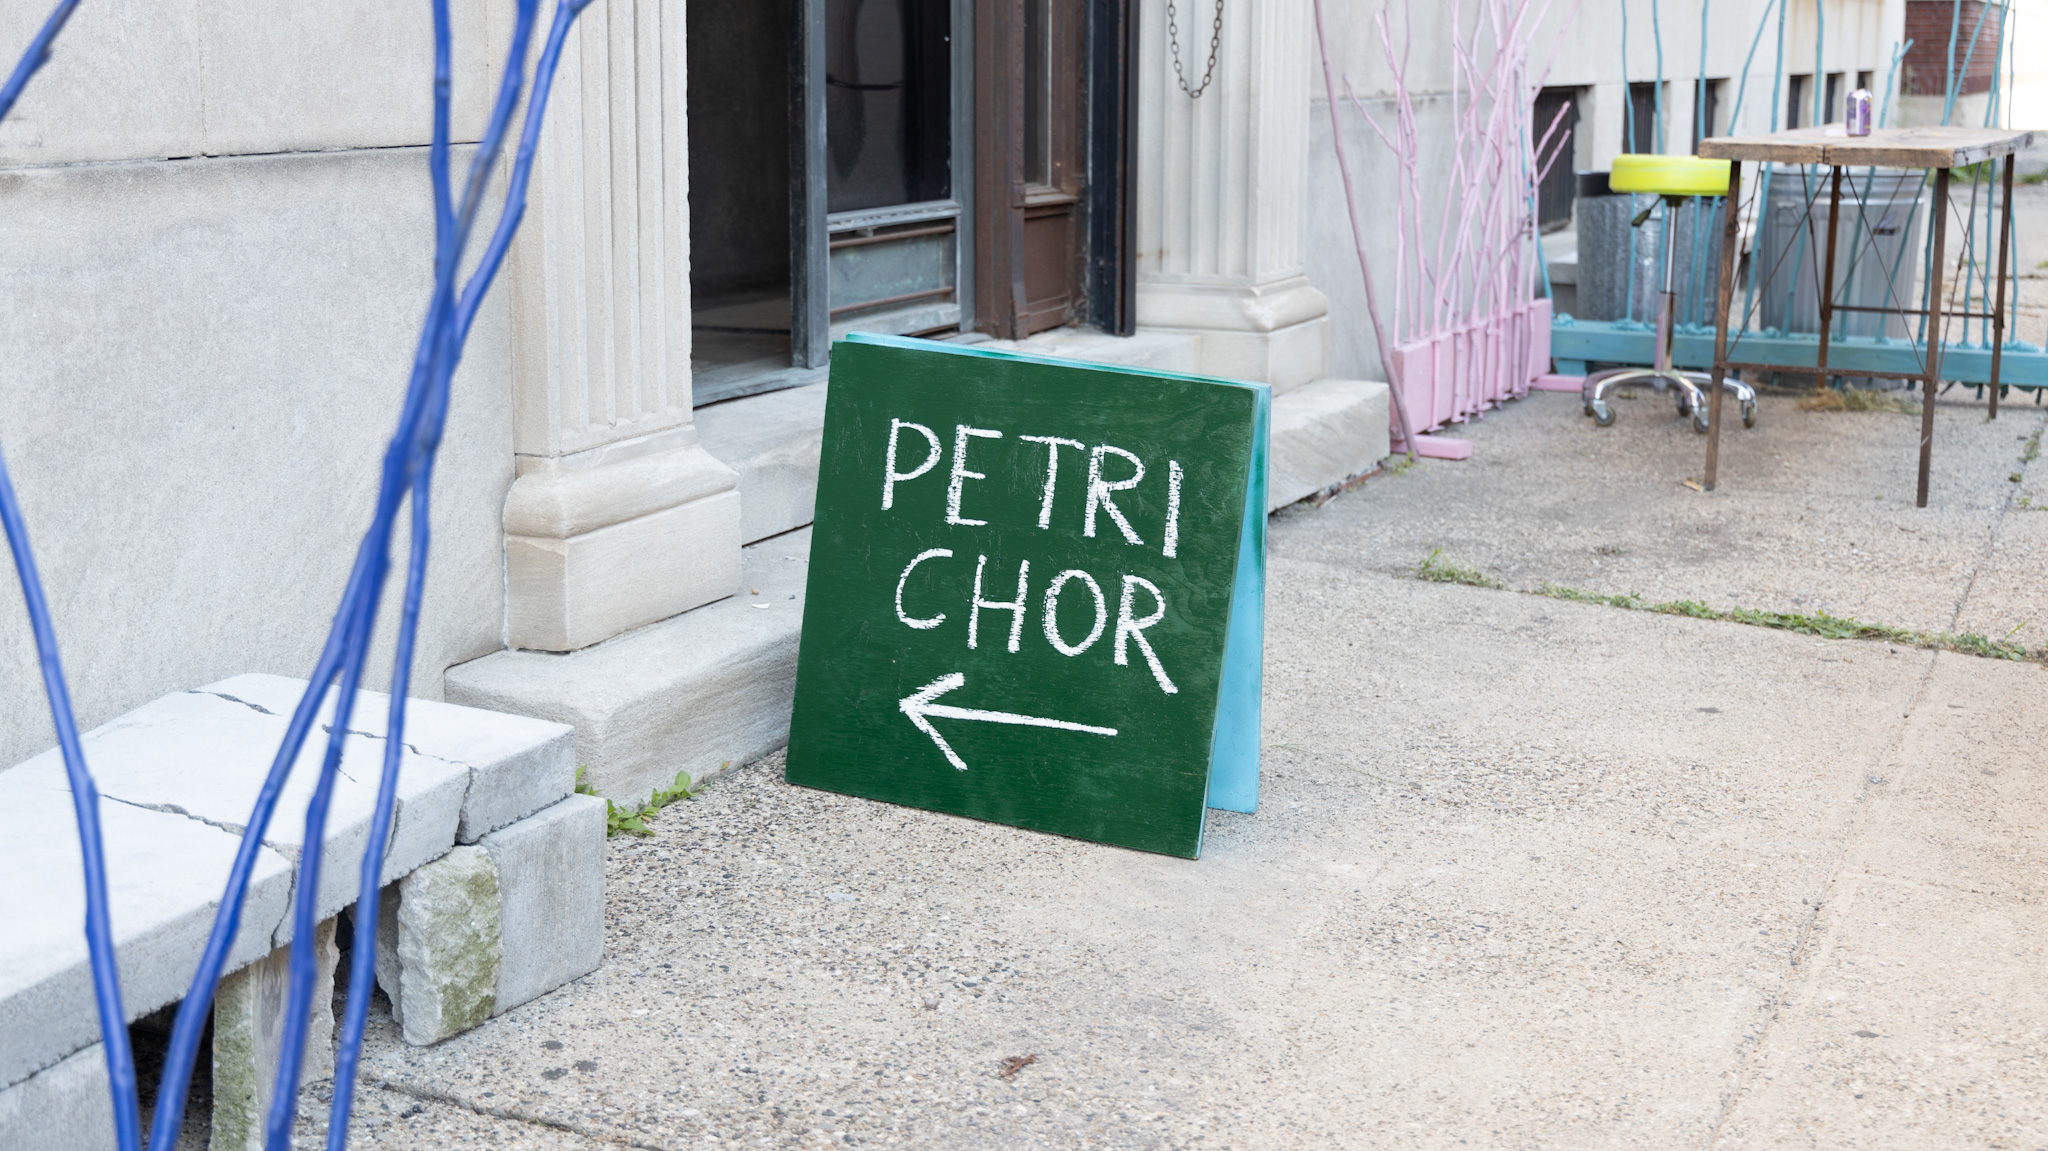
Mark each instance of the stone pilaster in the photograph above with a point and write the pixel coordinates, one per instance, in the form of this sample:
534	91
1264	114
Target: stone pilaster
1222	190
618	517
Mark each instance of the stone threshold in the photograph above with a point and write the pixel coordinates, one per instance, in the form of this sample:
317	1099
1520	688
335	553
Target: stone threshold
695	693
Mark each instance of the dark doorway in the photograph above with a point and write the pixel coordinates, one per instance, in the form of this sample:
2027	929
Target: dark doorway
738	99
880	228
835	176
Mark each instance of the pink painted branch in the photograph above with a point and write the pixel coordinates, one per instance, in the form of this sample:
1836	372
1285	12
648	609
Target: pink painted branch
1372	306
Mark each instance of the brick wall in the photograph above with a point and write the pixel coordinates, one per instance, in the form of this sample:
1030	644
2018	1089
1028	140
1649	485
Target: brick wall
1926	66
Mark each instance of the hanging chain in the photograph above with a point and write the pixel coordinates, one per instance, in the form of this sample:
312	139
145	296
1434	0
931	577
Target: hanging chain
1173	47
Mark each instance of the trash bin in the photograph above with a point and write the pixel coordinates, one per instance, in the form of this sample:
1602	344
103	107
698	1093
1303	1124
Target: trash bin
1877	251
1609	273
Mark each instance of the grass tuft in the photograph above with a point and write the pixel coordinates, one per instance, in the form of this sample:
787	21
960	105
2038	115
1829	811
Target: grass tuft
633	820
1858	400
1819	624
1436	571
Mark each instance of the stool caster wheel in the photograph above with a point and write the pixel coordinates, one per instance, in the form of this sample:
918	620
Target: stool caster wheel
1699	420
1749	413
1602	414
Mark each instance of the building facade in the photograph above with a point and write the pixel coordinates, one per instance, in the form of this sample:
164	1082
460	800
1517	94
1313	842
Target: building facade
216	251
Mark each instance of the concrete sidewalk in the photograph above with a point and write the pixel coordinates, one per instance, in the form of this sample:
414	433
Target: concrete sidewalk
1527	873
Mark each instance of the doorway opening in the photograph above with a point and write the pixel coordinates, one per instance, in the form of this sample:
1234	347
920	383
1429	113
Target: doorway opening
835	186
738	58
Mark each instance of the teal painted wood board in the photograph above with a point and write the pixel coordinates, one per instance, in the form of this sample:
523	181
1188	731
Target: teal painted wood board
2023	365
1036	592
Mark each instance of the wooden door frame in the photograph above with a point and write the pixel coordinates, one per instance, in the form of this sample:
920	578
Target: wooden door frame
1092	179
998	164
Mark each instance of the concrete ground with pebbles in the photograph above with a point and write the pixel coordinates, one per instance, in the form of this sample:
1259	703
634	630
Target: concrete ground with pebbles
1527	873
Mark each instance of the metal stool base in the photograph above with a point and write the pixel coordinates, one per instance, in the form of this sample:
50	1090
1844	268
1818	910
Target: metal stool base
1691	387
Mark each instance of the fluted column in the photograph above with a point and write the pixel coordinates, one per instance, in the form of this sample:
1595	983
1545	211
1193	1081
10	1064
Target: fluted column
1222	190
618	516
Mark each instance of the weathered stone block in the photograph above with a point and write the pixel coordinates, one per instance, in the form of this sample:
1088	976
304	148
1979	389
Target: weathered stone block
165	872
550	898
65	1107
490	927
240	77
192	288
439	948
249	1011
566	594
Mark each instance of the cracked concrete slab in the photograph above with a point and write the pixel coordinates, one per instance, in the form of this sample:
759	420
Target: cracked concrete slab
165	873
205	755
518	765
178	777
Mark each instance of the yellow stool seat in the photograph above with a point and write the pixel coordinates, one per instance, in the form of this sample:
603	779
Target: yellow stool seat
1669	175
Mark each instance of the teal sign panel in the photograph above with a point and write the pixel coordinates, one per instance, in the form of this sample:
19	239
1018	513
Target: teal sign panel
1036	593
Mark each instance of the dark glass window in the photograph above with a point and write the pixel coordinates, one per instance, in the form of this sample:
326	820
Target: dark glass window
1557	115
1038	91
1640	125
888	102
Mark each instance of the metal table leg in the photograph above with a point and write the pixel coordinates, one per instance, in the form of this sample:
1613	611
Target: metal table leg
1937	320
1731	239
1998	309
1827	291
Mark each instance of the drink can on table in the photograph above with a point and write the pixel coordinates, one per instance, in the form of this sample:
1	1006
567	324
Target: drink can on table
1857	114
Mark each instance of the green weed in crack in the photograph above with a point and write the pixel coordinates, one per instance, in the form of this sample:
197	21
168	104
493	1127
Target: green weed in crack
1820	624
633	820
1435	570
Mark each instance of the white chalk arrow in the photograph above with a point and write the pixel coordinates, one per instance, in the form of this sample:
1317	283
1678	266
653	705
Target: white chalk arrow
919	707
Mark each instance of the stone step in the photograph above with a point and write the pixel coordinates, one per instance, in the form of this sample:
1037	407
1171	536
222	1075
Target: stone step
694	693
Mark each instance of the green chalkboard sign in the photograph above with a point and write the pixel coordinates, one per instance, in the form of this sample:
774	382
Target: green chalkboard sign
1036	592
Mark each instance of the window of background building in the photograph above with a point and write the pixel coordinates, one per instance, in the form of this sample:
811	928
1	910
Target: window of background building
1706	120
1639	127
1832	110
1799	102
1555	192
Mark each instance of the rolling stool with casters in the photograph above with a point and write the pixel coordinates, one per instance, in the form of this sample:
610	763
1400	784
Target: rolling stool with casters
1672	179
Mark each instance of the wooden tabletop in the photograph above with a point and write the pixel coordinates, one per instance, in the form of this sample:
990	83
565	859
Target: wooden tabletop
1884	148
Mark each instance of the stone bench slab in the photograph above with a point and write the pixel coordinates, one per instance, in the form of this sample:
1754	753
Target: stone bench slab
178	778
165	873
204	754
518	765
